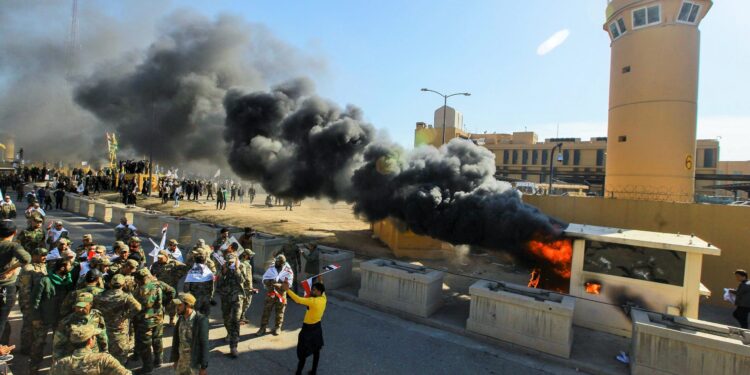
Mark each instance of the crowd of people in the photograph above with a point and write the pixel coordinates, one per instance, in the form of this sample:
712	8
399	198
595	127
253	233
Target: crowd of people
107	306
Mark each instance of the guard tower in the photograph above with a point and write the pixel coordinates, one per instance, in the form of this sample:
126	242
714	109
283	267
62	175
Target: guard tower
653	98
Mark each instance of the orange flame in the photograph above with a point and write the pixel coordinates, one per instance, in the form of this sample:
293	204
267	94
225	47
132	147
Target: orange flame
593	287
559	253
536	275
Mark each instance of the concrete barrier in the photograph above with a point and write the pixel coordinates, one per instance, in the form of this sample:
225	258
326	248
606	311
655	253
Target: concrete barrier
667	344
210	232
528	317
72	203
87	207
147	222
103	211
179	228
264	245
342	276
402	286
120	210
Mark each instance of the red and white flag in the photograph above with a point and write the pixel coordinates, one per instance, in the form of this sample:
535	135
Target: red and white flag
308	283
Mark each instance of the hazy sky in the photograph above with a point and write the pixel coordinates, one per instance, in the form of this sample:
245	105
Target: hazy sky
529	64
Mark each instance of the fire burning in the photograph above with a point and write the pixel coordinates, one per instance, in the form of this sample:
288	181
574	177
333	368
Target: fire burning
536	275
593	287
558	253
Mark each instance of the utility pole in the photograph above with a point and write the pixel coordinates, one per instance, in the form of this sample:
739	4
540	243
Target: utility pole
552	166
445	105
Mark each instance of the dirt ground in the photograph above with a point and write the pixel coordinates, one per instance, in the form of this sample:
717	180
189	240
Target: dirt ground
333	224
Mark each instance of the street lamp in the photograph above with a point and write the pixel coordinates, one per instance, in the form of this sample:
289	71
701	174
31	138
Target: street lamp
445	104
552	166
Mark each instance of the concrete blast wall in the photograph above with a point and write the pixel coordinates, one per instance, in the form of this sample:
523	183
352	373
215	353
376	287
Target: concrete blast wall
342	276
148	222
264	245
510	313
401	286
726	227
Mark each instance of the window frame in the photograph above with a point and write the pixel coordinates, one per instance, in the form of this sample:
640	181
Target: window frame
693	4
645	9
618	27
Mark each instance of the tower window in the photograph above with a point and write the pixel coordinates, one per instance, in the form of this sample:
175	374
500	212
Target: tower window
515	156
505	156
525	157
617	28
688	12
646	16
544	157
534	157
576	157
566	157
622	138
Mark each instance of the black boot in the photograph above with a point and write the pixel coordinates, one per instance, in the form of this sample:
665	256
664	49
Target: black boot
157	360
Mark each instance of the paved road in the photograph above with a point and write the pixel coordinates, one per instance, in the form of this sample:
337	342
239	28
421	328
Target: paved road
359	340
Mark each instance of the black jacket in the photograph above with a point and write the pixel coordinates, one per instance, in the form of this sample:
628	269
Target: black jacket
743	295
199	346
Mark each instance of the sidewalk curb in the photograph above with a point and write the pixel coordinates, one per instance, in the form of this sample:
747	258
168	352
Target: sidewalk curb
503	345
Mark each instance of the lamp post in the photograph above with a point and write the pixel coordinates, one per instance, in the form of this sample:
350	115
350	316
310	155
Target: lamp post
445	104
552	166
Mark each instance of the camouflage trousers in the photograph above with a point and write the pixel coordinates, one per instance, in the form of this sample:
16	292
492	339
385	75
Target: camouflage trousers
120	344
27	333
40	331
183	365
231	311
272	303
148	343
245	306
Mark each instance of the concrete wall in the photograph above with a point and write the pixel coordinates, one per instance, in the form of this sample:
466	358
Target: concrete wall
119	211
657	349
544	325
179	228
342	276
103	211
406	244
87	207
264	245
418	292
726	227
148	222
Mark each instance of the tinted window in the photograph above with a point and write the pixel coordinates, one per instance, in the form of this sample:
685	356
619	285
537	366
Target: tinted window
635	262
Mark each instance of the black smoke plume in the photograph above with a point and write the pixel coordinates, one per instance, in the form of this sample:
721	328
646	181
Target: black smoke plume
299	145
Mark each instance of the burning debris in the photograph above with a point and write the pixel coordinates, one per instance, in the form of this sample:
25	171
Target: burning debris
298	145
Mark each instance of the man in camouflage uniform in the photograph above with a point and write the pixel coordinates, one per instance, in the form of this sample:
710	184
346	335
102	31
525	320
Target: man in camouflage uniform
82	314
231	287
7	209
190	339
47	296
33	236
92	280
275	295
203	291
124	231
202	249
31	274
135	248
169	271
100	263
148	322
118	308
245	257
84	360
122	253
88	241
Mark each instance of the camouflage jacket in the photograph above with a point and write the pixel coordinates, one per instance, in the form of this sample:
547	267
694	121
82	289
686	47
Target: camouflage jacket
123	233
82	248
31	239
117	308
206	252
88	362
7	211
61	345
30	275
70	299
149	295
291	252
233	283
200	290
170	272
168	293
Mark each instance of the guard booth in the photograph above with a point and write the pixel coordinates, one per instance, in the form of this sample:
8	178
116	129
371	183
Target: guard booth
614	269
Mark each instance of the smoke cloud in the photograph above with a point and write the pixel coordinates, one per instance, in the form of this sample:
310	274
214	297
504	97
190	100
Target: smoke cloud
170	103
299	145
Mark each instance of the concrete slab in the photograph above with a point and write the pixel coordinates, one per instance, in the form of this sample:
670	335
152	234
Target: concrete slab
179	228
87	207
264	245
668	344
148	222
524	316
402	286
120	210
210	232
342	276
103	211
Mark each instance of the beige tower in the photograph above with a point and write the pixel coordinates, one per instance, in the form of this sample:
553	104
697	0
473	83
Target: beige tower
653	98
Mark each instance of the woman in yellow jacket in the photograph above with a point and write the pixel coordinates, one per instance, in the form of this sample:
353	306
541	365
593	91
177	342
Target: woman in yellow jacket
310	339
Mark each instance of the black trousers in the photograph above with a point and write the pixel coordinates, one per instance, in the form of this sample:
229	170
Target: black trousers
7	300
741	314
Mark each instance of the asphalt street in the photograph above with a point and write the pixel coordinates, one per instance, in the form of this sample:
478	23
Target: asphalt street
358	340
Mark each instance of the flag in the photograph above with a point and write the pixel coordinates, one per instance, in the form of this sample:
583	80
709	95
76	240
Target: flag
308	283
158	247
278	296
218	172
